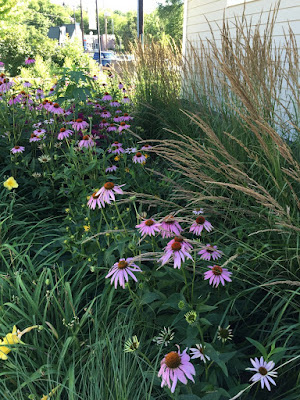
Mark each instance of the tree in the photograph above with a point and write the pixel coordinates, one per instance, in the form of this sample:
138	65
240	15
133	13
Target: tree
6	6
171	17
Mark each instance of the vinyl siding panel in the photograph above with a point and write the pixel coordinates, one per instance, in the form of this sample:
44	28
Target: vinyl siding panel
201	15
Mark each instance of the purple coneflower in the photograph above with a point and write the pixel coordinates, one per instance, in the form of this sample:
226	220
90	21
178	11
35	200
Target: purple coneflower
103	124
131	150
139	158
113	168
146	147
47	104
79	124
217	275
27	84
15	100
126	117
64	133
5	85
1	63
198	211
176	366
198	352
114	103
116	148
29	61
264	372
107	192
120	85
106	97
95	201
56	109
87	141
37	125
111	128
17	149
105	114
95	77
210	252
200	224
39	93
177	251
148	227
170	227
186	246
126	100
123	126
120	270
34	138
117	118
118	111
39	132
49	121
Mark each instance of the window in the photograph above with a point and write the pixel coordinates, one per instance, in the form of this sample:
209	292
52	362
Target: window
237	2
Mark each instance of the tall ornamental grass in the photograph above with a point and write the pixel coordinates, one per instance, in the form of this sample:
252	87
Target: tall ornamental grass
239	159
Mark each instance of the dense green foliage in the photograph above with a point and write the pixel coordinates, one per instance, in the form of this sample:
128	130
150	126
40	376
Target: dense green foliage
24	30
214	161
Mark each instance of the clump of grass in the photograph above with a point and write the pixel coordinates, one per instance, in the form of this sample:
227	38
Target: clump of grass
156	77
242	168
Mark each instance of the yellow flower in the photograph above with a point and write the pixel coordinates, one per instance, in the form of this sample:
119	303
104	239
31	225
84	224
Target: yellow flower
10	338
146	156
117	158
10	183
127	169
86	227
47	396
67	210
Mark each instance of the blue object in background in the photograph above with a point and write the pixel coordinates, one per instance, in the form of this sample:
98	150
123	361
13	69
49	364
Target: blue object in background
106	57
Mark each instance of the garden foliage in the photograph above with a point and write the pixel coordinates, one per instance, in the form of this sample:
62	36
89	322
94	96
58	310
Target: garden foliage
147	267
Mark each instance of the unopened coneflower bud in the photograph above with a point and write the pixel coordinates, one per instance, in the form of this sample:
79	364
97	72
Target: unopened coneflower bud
181	305
191	317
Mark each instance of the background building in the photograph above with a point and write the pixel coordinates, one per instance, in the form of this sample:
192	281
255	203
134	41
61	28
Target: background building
61	33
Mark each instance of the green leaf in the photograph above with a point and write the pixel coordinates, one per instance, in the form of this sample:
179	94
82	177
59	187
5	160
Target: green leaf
259	347
201	308
172	301
215	356
149	297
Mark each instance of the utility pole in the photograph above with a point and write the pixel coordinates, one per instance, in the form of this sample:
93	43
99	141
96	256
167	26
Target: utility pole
98	32
81	23
106	14
140	20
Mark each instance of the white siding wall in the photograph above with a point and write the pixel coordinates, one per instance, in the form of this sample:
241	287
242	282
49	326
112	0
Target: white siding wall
200	12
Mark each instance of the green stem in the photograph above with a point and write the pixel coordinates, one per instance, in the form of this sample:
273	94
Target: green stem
120	218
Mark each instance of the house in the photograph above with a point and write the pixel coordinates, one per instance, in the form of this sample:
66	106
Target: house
91	42
61	33
216	59
200	16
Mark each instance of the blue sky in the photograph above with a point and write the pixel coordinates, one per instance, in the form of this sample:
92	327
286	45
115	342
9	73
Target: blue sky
122	5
